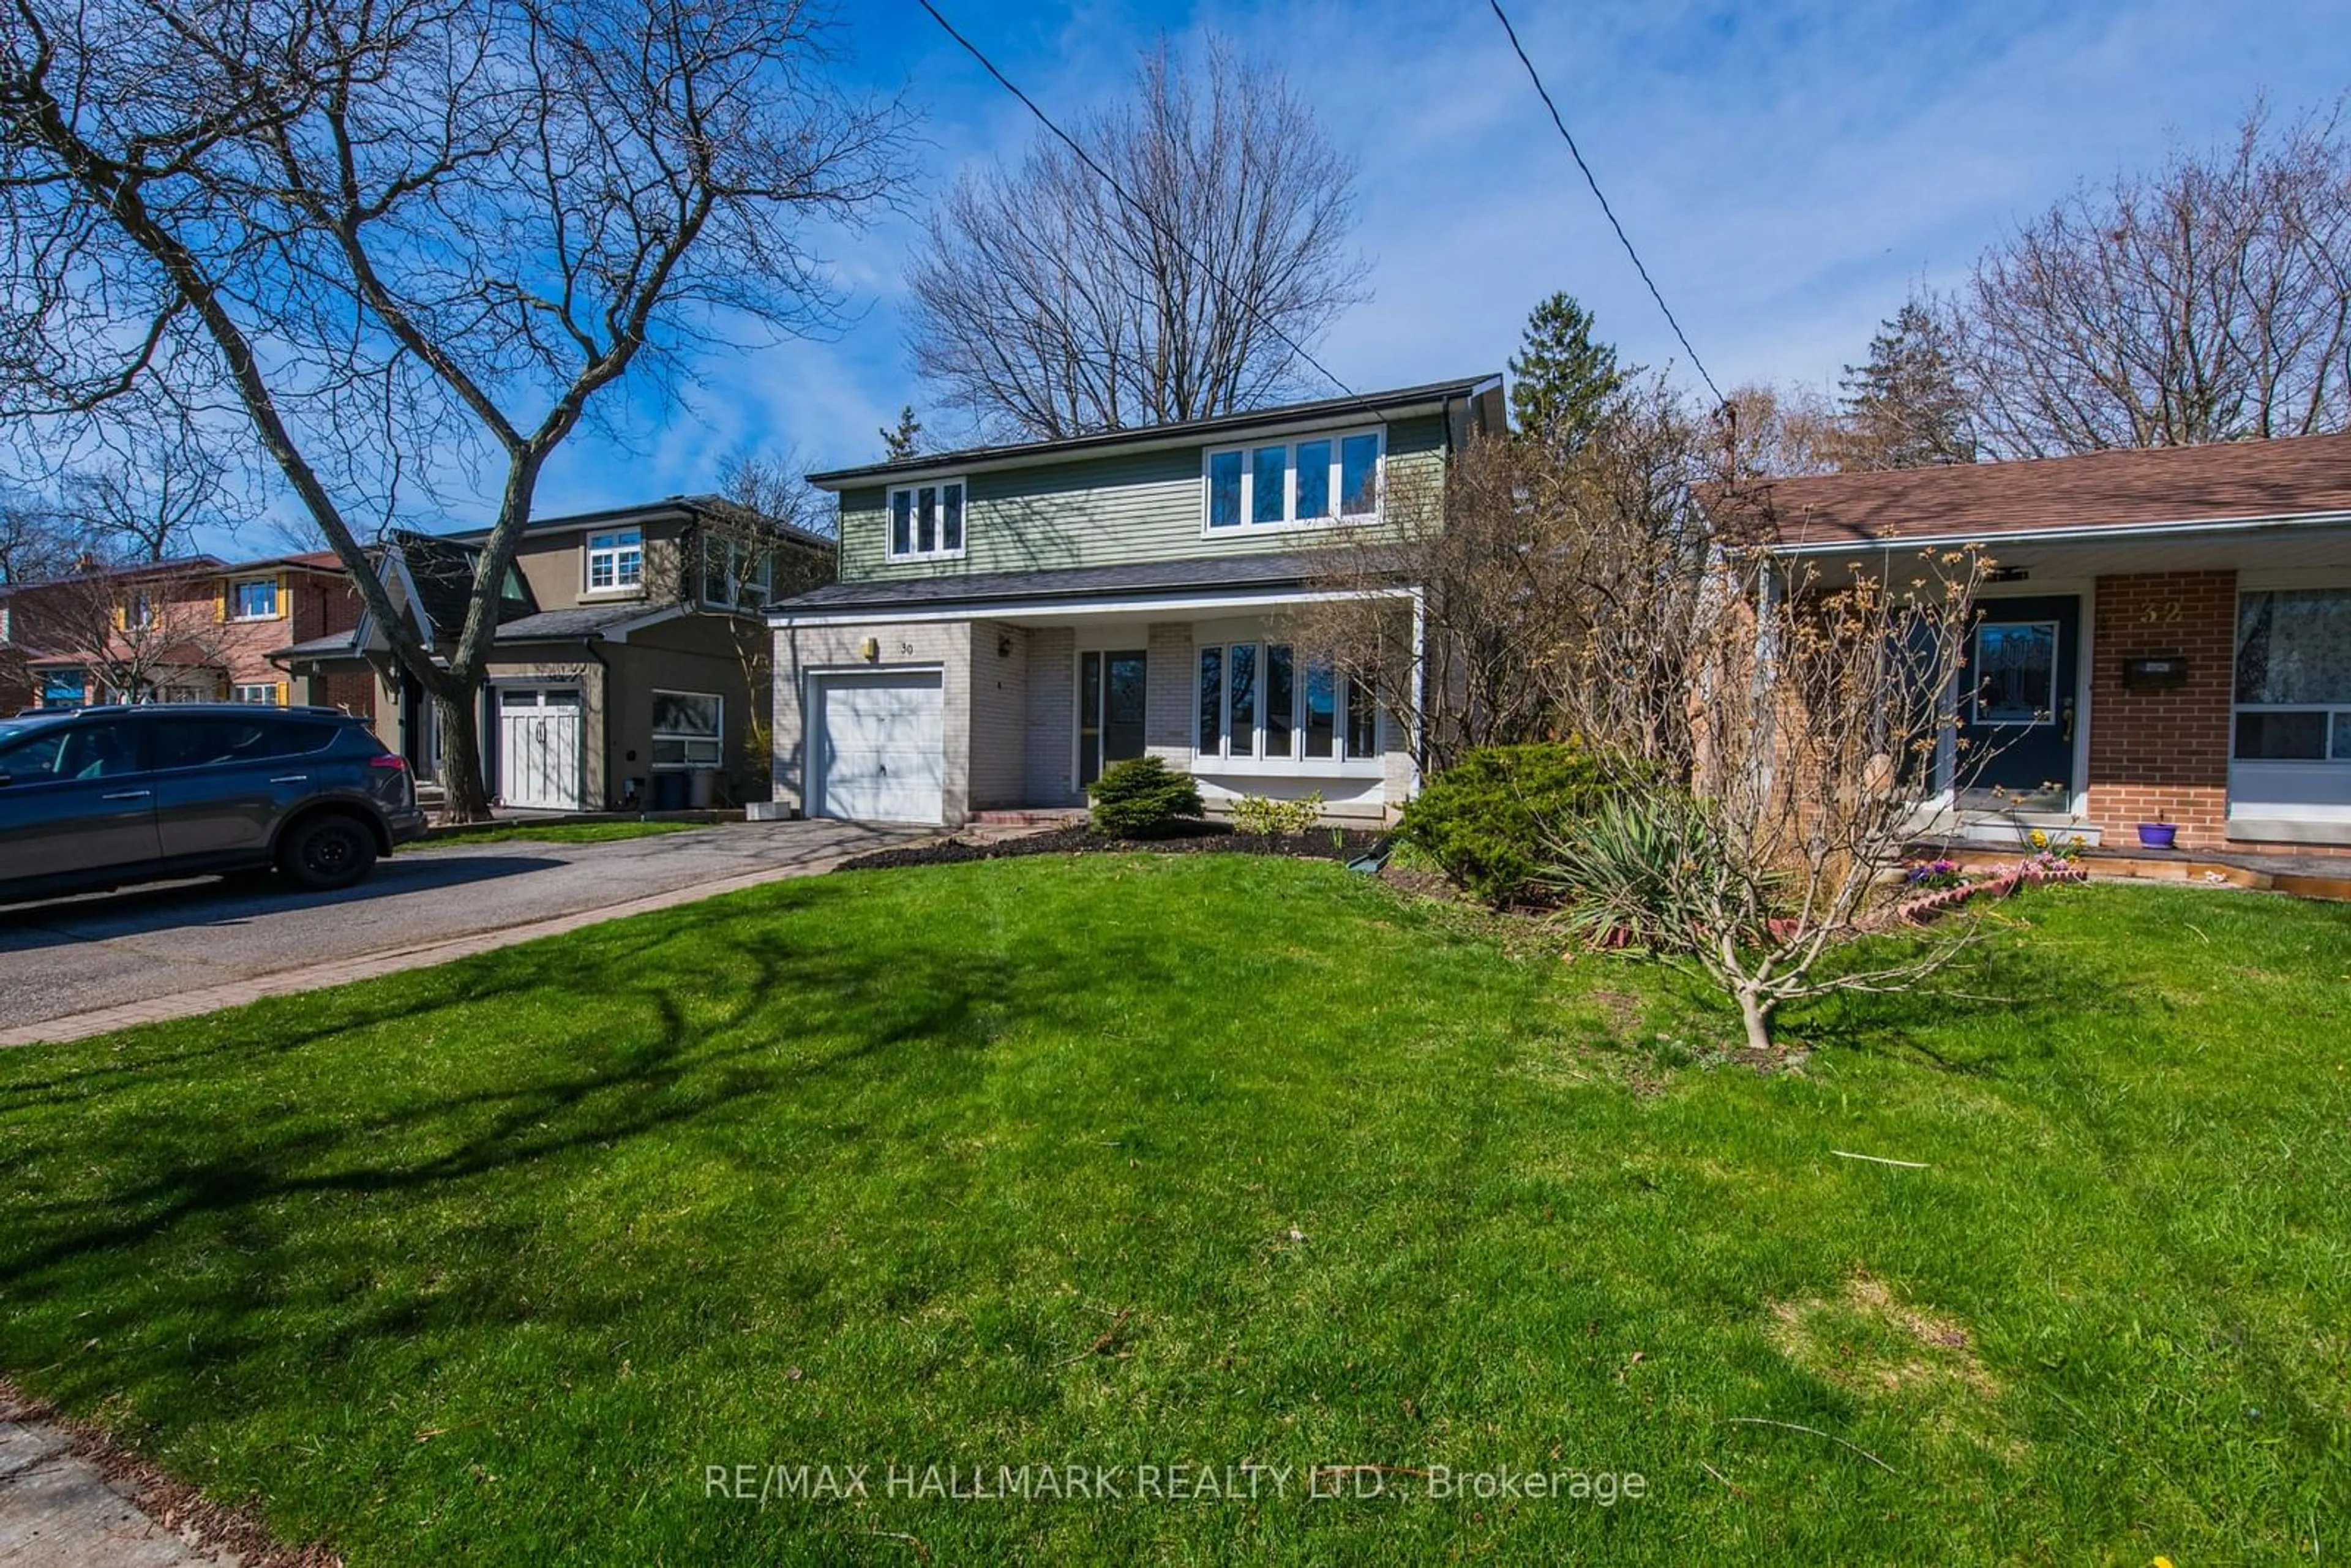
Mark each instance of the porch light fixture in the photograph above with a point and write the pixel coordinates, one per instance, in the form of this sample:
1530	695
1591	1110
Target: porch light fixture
1004	645
2008	574
870	650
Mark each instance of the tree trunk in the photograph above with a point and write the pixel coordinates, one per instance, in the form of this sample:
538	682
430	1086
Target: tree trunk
465	795
1756	1013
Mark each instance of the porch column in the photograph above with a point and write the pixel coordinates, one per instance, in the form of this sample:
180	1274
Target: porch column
2161	754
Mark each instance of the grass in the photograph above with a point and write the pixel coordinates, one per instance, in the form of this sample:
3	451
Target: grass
1126	1161
553	833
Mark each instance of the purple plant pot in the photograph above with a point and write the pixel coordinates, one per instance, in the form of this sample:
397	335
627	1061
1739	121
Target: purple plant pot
2157	835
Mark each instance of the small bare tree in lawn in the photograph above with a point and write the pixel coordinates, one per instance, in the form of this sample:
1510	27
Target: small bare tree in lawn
1820	707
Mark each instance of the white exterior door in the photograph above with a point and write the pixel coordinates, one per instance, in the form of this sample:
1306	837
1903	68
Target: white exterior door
880	752
540	763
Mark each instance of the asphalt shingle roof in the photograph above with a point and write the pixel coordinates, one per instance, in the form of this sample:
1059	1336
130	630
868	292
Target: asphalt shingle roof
2226	480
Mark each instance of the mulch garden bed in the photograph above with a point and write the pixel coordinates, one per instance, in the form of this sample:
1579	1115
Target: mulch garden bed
1195	838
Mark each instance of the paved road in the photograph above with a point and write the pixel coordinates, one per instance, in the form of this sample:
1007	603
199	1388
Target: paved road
77	956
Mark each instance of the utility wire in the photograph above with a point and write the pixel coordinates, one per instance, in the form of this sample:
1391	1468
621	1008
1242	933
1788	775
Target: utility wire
1609	212
1148	216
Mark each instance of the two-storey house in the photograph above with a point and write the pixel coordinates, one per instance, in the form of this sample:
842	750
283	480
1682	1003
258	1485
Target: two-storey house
629	667
1010	620
195	629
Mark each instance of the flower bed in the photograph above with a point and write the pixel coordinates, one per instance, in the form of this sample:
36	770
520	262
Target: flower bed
1944	886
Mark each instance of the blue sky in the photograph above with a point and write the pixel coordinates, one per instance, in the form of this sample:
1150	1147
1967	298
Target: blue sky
1788	170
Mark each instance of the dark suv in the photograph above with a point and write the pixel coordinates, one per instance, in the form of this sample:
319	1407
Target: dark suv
103	796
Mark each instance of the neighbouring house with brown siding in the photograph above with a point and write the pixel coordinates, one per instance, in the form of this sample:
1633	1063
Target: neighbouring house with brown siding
1011	621
2167	638
627	668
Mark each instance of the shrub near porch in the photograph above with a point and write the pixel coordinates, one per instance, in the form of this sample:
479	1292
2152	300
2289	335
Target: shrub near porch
1121	1160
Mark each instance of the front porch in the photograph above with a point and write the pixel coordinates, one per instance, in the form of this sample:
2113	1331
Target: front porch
946	718
2199	678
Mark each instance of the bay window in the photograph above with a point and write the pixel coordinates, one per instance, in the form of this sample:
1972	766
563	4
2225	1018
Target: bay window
1320	479
1261	702
616	560
926	521
2294	677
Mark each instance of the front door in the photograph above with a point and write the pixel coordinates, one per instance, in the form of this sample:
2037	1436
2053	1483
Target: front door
1109	711
2016	704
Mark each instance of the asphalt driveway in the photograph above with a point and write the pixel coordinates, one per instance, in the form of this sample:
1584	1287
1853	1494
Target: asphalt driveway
153	945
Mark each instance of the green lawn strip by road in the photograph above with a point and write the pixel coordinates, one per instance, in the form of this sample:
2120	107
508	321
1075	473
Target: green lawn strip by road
1132	1161
553	833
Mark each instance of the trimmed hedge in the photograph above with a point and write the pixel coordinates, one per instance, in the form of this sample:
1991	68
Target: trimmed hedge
1486	818
1141	798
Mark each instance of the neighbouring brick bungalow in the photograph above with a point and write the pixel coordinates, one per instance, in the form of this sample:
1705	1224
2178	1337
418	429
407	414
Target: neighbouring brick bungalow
2168	638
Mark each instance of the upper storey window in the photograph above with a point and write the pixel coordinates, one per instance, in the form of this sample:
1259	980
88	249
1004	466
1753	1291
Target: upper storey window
1286	484
926	521
616	560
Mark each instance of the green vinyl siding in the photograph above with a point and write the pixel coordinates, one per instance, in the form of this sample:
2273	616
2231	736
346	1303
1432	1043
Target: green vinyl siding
1098	511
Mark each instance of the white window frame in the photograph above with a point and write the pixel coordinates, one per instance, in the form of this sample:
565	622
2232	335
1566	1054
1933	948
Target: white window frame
237	693
2330	757
713	752
1247	451
913	551
754	592
1295	761
616	546
276	598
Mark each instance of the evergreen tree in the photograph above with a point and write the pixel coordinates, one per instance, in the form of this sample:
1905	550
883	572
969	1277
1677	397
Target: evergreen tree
1904	408
1561	380
906	440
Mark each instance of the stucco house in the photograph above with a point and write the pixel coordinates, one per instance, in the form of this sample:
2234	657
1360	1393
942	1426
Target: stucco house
627	663
1010	620
2167	636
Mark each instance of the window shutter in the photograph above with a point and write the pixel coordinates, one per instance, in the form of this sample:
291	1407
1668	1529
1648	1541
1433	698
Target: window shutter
285	597
281	693
220	601
123	618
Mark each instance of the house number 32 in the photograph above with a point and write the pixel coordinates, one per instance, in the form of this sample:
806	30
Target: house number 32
2163	614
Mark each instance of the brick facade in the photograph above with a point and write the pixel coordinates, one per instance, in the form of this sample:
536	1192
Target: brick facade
2162	755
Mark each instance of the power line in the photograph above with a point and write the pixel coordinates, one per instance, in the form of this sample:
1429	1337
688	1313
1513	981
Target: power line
1145	212
1609	212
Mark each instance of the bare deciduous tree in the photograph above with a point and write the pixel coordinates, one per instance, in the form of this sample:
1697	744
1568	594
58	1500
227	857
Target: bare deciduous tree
771	514
1820	712
2210	302
395	236
1046	306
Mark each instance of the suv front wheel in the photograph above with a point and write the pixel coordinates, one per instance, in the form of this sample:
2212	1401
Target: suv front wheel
328	853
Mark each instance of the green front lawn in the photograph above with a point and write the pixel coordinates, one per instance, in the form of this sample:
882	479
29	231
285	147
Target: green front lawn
1133	1161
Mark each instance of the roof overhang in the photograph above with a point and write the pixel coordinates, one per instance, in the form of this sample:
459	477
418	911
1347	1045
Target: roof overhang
1993	538
1229	600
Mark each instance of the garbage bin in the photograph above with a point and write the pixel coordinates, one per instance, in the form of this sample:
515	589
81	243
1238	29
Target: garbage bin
706	788
671	791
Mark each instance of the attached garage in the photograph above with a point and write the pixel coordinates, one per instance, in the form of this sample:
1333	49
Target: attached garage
541	742
879	747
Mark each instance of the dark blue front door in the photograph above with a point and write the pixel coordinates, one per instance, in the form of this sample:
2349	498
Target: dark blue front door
2016	701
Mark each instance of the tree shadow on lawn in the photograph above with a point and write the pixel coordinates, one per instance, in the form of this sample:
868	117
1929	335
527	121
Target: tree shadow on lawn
239	1191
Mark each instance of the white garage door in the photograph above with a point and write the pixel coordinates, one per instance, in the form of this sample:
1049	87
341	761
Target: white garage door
881	752
539	747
